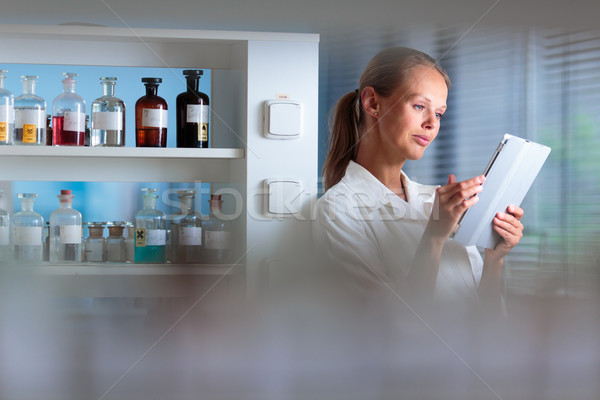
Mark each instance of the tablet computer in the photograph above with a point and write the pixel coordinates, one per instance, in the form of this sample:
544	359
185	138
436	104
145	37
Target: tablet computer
509	175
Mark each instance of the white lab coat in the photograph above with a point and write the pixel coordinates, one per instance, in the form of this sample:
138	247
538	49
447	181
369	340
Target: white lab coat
373	234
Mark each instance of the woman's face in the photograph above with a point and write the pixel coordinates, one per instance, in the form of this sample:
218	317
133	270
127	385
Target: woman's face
409	119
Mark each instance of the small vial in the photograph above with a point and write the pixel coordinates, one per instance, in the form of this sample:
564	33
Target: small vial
94	248
115	242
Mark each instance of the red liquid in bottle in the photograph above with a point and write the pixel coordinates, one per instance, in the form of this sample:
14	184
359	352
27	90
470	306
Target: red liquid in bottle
61	137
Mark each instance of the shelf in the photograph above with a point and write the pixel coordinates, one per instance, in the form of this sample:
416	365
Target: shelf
116	164
123	269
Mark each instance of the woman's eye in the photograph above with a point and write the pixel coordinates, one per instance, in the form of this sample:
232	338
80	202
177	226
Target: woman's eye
419	107
439	115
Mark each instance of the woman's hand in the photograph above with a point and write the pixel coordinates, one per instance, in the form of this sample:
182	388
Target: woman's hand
451	201
508	225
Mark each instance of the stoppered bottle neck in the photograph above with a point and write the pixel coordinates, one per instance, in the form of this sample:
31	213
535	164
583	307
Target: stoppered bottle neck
150	198
29	82
215	203
151	85
2	77
186	199
108	86
69	82
192	78
96	229
27	200
65	199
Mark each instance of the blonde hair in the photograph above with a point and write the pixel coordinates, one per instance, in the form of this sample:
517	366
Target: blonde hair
386	72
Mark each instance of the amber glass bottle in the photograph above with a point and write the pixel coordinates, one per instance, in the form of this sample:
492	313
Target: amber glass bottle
151	117
192	113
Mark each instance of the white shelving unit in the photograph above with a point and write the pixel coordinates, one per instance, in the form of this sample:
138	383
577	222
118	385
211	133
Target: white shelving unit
248	68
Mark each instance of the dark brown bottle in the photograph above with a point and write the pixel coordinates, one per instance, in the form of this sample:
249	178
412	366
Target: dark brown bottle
151	117
192	113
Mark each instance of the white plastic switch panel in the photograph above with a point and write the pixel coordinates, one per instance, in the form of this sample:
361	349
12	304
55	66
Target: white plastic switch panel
282	119
283	196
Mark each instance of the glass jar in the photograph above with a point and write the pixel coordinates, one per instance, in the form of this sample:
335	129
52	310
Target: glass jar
4	233
27	231
217	234
94	248
68	115
115	242
151	117
65	231
186	230
192	113
7	112
108	117
130	243
30	114
150	231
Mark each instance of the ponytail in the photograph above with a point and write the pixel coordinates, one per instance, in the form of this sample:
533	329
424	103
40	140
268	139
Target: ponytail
343	140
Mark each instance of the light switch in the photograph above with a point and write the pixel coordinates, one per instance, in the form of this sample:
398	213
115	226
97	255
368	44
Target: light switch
282	119
283	196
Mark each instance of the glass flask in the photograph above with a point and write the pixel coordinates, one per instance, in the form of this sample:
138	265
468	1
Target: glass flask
7	112
65	231
151	117
217	234
30	114
130	243
150	231
186	230
4	233
94	248
27	231
108	117
192	113
68	115
115	242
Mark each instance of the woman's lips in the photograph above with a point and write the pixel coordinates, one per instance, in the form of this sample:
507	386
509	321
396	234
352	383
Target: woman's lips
422	140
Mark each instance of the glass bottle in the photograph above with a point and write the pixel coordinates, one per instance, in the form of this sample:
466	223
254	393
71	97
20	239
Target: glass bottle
65	231
151	117
108	116
115	242
30	114
68	115
7	113
27	231
48	130
192	113
94	248
4	233
150	231
186	230
130	243
217	234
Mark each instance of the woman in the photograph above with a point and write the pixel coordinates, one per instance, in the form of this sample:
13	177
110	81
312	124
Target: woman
386	230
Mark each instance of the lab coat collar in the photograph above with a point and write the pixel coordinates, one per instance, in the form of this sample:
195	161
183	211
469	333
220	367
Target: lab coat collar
373	194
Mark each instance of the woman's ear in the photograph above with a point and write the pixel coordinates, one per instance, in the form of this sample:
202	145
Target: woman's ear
370	101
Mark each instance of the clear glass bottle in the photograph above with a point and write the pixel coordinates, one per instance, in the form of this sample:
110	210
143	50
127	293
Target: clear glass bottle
150	231
130	243
30	114
7	112
115	242
217	234
192	113
68	115
65	231
151	117
27	231
94	248
186	230
108	117
4	233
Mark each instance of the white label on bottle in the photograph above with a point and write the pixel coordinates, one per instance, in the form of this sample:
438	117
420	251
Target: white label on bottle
112	120
70	234
154	118
217	240
197	113
7	113
190	236
27	236
30	117
74	121
156	237
4	235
